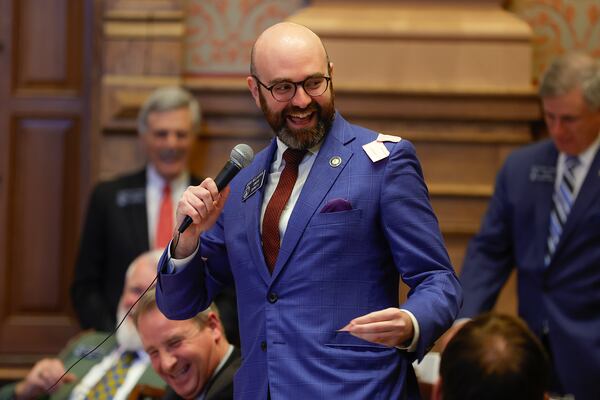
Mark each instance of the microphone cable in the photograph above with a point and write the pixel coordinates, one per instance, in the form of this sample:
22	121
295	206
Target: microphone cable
175	241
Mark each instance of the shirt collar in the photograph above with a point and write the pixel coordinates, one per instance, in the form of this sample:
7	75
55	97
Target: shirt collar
282	147
586	157
154	179
224	359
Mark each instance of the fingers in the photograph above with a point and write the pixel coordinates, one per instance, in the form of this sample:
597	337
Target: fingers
44	374
198	202
68	378
378	316
203	204
390	327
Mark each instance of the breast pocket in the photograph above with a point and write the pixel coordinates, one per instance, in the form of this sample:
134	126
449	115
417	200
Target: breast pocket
349	217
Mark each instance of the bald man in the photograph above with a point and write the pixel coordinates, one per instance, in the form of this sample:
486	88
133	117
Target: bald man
315	234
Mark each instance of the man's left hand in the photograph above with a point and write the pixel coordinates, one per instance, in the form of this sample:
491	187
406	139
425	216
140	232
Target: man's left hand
390	327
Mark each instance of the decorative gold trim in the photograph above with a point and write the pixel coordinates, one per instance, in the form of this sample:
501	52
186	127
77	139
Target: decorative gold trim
143	29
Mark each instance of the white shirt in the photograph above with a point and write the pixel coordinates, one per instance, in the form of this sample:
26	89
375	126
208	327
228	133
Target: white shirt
98	371
277	167
154	190
585	162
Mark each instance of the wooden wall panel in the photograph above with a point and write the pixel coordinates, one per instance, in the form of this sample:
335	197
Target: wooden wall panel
45	140
43	192
47	55
44	165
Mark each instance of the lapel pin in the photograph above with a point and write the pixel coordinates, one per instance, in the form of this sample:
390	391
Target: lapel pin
335	161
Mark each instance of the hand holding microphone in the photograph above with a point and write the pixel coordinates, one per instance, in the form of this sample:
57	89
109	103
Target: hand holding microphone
199	201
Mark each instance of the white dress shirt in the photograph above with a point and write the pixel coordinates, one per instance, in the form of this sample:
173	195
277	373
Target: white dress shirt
585	162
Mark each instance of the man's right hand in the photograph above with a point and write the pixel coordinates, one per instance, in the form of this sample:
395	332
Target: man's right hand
203	204
42	376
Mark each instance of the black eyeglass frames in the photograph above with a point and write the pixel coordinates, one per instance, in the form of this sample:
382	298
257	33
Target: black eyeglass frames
284	91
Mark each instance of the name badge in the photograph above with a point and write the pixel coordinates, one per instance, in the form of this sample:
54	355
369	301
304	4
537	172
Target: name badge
131	196
542	173
254	185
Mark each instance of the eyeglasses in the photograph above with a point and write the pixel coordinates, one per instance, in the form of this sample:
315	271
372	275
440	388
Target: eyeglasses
284	91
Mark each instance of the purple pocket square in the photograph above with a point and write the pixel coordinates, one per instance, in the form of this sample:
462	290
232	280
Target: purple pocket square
336	205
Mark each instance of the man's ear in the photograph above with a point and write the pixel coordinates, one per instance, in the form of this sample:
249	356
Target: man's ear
253	86
214	323
330	69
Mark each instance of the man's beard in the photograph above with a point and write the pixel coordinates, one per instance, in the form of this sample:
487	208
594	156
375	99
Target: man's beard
300	139
127	336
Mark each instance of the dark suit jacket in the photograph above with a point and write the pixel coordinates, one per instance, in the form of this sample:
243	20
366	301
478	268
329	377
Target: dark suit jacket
114	234
221	386
566	295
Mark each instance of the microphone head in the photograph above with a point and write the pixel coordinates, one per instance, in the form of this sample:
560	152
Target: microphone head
242	155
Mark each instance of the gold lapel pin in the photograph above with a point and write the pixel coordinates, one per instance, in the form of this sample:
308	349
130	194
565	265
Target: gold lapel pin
335	161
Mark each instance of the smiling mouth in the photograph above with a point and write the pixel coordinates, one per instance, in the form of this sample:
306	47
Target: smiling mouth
301	118
179	374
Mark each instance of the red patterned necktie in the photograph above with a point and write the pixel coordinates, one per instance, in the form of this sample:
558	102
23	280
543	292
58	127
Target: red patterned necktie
164	228
270	228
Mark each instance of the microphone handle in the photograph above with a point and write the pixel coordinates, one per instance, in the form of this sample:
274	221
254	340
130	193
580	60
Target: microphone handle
228	172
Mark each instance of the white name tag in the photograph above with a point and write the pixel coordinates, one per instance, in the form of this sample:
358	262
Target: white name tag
376	150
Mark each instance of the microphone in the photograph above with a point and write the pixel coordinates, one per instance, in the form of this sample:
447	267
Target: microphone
241	156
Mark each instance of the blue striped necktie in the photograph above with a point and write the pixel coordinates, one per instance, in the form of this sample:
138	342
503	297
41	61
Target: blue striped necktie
563	201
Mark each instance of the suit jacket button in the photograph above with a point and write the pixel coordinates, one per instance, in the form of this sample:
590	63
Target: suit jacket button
272	297
263	345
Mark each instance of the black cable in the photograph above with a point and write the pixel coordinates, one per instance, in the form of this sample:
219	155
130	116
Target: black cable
175	243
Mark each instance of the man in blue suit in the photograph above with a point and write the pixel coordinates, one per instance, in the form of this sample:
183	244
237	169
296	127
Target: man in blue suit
553	241
318	308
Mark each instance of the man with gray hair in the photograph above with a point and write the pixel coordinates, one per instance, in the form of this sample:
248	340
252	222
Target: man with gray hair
135	212
544	220
112	370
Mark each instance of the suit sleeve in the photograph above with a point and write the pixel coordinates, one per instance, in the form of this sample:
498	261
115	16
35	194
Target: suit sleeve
90	304
490	256
187	291
417	246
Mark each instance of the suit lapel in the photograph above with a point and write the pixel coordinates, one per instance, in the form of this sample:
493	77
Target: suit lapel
320	180
137	216
543	201
252	207
588	194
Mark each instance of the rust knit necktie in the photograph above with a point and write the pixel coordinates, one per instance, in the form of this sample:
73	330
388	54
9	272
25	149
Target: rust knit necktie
164	228
270	227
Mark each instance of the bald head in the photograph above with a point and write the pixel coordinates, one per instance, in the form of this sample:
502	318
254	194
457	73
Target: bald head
291	82
286	41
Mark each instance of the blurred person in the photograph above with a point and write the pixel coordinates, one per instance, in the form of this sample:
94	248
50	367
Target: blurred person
90	376
493	357
134	213
316	234
193	356
544	220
